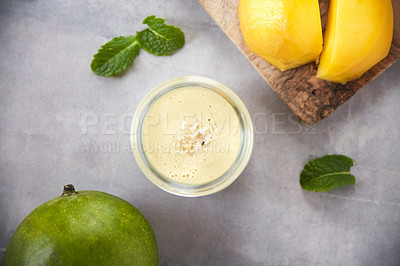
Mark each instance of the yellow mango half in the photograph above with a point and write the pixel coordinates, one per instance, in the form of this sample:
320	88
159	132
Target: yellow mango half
358	35
286	33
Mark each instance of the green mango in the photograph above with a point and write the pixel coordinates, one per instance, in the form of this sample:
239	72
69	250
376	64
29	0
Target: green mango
83	228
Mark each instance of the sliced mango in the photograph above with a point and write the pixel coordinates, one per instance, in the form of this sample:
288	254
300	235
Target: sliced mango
286	33
358	35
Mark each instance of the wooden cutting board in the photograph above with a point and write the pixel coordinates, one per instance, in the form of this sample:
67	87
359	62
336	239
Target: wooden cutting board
311	99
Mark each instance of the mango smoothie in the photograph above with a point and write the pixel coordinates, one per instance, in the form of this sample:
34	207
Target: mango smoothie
191	135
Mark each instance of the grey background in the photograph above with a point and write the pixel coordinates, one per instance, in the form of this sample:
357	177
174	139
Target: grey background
60	123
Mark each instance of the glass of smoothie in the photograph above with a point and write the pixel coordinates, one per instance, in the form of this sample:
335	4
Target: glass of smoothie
192	136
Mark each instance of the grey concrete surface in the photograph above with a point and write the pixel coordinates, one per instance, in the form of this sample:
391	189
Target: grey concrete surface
60	123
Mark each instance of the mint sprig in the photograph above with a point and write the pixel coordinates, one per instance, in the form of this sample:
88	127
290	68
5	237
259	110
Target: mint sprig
116	55
324	173
159	38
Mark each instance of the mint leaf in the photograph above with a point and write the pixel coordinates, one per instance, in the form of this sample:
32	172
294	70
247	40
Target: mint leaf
159	38
324	173
115	56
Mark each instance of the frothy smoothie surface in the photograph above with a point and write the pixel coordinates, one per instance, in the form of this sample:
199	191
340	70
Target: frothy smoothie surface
192	135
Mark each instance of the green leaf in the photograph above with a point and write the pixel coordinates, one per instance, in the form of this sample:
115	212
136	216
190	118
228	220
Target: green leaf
159	38
324	173
115	56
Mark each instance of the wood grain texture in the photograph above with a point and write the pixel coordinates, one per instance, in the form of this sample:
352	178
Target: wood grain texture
311	99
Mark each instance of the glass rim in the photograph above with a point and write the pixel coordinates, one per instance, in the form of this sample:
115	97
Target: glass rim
178	188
